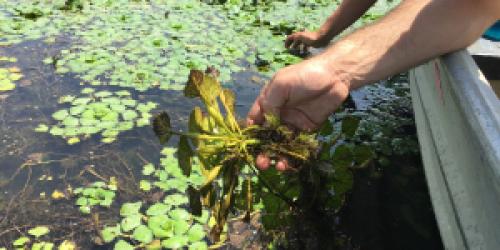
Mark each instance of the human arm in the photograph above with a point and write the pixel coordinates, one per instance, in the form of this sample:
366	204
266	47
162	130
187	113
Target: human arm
305	94
346	14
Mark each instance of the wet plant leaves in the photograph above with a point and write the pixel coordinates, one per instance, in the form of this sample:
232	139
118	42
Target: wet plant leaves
39	231
161	127
131	208
148	169
158	209
201	245
179	214
175	242
350	125
108	234
196	233
342	157
21	241
123	245
143	234
67	245
130	222
161	226
184	155
194	201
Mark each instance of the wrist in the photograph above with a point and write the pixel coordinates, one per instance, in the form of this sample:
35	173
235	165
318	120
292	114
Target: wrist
344	63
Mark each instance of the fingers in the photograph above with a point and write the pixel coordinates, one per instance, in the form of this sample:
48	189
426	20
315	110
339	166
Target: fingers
256	114
263	162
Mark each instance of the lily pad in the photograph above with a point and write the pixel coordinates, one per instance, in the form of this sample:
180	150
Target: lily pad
39	231
143	234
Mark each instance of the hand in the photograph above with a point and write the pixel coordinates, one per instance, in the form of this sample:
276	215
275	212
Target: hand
302	96
305	39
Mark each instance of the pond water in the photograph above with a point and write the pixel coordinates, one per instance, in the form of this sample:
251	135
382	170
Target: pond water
89	78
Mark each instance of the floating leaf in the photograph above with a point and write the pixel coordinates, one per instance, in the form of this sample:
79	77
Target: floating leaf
161	226
128	209
179	214
67	245
145	185
148	169
21	241
42	128
130	222
123	245
200	245
39	231
143	234
110	233
161	127
196	233
176	242
157	209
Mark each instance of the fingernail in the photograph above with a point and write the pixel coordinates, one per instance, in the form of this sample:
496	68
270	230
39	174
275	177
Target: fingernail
281	166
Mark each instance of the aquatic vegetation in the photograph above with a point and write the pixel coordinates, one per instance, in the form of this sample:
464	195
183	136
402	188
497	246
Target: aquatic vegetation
164	223
33	238
97	193
226	150
104	112
9	75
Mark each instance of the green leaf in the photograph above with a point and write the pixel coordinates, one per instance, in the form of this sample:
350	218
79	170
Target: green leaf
130	222
196	233
176	242
39	231
145	185
42	246
350	125
179	214
129	115
21	241
157	209
202	85
143	234
128	209
123	245
148	169
200	245
110	233
161	127
175	199
362	153
60	115
42	128
184	155
342	157
161	226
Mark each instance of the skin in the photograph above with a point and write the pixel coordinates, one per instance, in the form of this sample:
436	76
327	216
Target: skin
304	95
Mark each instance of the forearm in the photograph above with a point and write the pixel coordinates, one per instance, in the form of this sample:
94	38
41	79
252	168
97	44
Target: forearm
346	14
414	32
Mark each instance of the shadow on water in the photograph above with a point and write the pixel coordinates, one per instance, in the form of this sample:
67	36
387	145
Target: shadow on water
388	208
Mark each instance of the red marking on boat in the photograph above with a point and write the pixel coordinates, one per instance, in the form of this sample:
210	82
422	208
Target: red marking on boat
437	70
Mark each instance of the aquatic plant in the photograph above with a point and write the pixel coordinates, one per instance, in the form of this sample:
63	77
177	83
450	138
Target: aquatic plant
224	149
97	193
104	112
164	223
9	75
32	238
